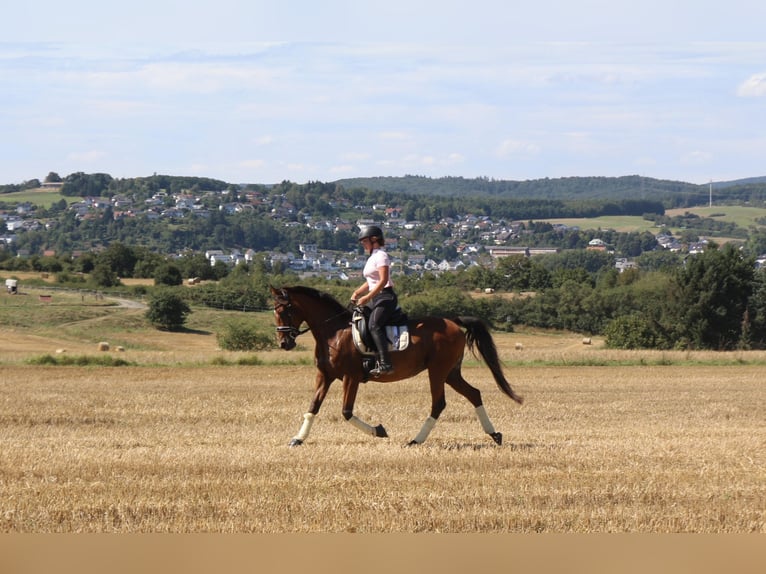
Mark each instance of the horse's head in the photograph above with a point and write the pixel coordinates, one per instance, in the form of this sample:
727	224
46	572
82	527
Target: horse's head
288	318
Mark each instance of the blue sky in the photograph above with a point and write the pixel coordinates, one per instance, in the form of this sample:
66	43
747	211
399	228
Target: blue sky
252	91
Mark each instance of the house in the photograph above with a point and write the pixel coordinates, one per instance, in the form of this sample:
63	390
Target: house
221	258
596	245
622	264
506	251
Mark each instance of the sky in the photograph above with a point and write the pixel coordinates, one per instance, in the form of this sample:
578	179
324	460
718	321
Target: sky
265	91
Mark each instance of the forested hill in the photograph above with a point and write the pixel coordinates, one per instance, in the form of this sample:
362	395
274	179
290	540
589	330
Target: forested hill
566	188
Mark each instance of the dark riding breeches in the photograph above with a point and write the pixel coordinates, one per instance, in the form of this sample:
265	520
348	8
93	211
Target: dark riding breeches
383	306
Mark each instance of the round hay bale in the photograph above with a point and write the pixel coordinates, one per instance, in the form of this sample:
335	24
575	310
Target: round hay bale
586	341
103	346
120	349
60	351
519	346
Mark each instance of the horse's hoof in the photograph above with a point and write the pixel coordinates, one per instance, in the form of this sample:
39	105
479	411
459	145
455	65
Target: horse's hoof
296	442
413	443
380	432
497	437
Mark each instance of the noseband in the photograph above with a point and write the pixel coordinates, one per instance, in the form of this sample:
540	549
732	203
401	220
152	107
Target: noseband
291	331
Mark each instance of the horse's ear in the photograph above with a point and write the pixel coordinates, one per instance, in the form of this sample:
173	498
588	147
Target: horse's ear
278	294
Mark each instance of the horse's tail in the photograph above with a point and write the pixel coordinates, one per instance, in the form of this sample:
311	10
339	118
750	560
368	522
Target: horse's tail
478	336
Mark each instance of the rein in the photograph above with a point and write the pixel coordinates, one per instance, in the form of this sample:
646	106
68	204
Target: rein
294	332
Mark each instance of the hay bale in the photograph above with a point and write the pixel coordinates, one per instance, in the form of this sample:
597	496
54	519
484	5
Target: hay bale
60	351
519	346
103	346
586	341
120	349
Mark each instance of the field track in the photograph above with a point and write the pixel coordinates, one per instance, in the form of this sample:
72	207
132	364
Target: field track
204	449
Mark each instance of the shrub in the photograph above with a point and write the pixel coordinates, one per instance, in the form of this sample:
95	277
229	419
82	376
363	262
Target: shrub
238	335
167	310
631	332
168	274
446	302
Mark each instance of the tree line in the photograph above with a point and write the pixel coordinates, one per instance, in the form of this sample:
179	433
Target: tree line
712	300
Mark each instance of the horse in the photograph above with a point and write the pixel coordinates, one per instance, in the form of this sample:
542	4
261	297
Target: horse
436	344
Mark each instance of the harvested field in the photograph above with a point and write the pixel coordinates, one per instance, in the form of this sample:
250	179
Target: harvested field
188	438
204	449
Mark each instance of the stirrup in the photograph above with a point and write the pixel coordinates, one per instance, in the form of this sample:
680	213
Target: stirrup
381	369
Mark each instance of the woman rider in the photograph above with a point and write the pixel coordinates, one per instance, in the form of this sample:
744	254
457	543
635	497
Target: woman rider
378	293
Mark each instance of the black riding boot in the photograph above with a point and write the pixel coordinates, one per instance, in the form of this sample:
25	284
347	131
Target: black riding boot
384	362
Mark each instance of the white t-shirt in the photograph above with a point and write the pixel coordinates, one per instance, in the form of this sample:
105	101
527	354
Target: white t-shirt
377	259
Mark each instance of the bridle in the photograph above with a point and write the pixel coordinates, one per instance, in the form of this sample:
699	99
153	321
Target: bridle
284	311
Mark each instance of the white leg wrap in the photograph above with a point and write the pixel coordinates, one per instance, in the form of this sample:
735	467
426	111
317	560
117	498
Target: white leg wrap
308	420
361	425
486	424
425	431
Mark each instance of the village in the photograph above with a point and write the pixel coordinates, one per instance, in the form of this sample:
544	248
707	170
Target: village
474	240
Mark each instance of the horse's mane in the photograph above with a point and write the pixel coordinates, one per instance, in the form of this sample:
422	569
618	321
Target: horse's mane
321	296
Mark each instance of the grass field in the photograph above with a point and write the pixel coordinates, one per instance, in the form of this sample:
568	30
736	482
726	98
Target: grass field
41	196
743	216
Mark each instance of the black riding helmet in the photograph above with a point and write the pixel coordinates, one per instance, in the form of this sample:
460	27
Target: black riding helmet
372	231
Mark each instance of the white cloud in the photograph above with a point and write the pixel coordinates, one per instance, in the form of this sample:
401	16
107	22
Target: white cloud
510	147
342	169
395	135
355	156
754	86
696	157
252	163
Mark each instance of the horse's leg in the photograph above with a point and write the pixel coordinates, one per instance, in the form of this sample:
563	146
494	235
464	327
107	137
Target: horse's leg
456	381
438	404
321	386
350	386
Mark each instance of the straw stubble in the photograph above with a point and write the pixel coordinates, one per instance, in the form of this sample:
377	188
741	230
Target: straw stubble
204	449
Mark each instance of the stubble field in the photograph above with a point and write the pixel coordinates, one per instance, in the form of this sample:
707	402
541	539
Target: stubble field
187	440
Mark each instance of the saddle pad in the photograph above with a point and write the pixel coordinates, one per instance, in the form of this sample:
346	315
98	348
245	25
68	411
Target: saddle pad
398	337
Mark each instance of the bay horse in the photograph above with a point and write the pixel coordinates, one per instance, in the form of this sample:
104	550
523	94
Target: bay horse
436	344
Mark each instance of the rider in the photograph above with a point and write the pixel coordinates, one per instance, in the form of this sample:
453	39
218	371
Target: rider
378	292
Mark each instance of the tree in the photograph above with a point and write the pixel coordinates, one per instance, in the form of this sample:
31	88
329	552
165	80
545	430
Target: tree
713	291
85	185
168	311
757	310
103	276
168	274
119	258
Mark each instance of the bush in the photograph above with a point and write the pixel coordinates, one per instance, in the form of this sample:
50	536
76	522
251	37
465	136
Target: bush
631	332
241	336
167	310
168	274
445	302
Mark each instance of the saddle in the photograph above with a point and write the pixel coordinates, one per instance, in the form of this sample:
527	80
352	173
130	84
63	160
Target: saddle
397	332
